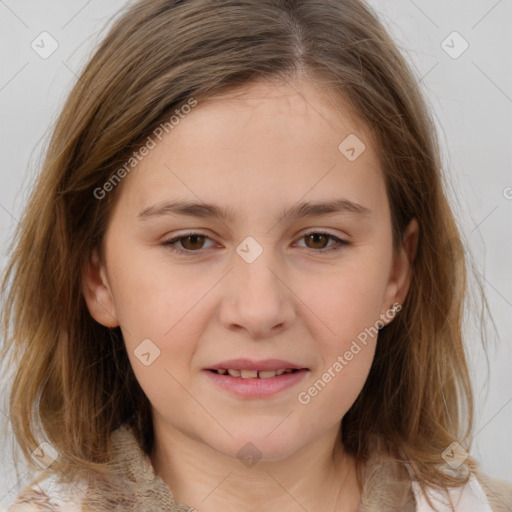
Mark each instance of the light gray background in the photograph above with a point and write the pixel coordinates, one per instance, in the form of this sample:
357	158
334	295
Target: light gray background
472	101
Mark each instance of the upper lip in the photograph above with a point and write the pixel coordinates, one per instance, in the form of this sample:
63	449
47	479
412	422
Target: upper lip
263	365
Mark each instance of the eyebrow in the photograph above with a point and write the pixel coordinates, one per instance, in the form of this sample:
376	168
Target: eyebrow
297	211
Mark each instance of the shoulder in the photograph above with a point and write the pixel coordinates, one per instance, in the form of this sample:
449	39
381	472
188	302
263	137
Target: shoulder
50	495
497	490
471	496
390	481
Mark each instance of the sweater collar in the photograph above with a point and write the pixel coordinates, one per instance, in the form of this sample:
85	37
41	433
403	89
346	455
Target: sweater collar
386	486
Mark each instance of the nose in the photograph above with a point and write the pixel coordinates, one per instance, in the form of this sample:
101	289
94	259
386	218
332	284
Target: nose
257	298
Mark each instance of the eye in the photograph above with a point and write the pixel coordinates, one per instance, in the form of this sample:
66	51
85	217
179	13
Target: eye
194	242
319	237
191	242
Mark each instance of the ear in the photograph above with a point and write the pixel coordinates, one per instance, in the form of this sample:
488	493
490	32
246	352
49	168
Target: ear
97	292
401	272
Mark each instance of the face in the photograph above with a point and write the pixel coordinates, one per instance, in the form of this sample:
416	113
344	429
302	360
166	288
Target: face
192	290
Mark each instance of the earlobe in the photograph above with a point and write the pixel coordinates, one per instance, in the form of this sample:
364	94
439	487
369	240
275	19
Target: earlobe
410	239
401	273
97	292
405	260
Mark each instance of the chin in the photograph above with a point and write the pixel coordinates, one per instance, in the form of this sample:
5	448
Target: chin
255	445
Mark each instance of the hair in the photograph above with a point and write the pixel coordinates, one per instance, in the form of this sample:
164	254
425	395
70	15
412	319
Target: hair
72	380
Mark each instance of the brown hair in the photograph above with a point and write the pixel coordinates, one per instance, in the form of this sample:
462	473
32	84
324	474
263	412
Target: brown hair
72	375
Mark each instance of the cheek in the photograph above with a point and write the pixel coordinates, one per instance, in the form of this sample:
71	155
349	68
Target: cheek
154	298
346	307
331	394
344	302
345	340
160	321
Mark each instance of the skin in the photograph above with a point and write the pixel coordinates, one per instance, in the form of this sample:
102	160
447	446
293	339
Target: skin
256	151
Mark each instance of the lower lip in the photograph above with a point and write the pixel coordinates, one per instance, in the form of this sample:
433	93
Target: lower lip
257	388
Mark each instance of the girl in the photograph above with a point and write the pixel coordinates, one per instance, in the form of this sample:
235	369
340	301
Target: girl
236	286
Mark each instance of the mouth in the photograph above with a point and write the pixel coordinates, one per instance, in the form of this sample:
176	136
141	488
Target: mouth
254	383
255	374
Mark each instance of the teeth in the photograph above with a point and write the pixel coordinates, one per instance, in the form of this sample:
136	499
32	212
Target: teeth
253	374
249	374
268	374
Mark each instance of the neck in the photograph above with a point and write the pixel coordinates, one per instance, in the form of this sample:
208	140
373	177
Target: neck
319	476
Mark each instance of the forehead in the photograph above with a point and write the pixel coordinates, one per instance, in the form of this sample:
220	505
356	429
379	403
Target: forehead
260	145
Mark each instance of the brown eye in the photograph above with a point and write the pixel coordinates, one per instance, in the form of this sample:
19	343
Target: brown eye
191	242
318	240
194	242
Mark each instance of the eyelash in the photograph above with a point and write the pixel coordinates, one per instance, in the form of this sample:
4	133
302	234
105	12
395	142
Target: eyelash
341	243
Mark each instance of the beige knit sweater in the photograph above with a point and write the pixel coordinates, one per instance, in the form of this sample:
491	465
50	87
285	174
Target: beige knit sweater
138	489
